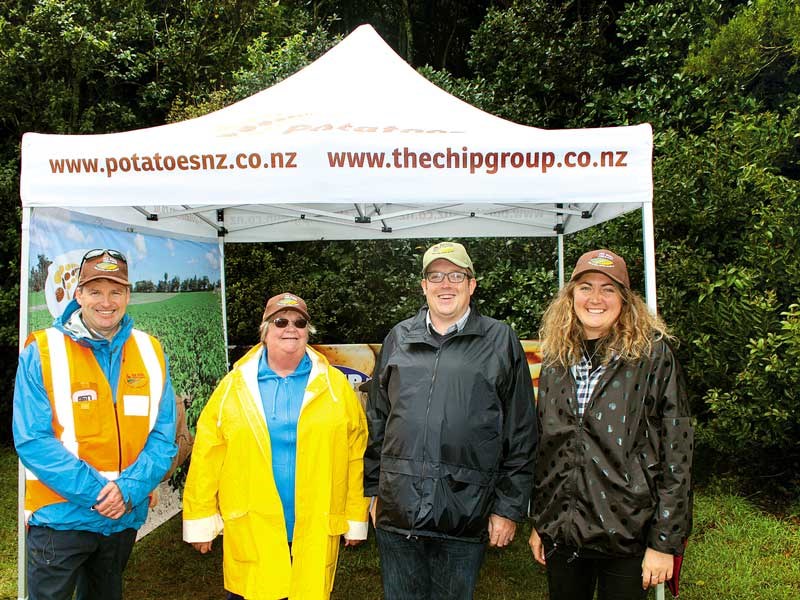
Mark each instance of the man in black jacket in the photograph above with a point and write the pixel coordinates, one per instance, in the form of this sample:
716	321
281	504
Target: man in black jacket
452	432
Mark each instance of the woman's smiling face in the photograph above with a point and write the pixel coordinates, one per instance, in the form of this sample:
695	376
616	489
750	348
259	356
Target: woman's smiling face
289	340
597	303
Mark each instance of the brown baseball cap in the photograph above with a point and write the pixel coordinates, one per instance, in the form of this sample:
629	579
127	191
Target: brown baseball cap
104	263
605	262
285	301
452	251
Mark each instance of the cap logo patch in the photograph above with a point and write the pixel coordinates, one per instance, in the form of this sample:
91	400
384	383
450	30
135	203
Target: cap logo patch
442	249
107	265
601	261
287	301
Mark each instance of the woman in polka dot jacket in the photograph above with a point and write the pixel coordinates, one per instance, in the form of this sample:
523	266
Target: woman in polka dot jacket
612	500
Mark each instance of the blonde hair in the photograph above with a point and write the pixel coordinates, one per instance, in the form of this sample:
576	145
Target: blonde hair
631	336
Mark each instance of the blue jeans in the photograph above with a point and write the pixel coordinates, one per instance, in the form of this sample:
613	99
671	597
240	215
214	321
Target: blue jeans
55	557
426	568
571	577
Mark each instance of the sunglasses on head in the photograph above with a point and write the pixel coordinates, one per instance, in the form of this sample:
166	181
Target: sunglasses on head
282	322
116	254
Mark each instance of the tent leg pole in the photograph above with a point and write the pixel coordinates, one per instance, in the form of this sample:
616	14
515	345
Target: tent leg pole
560	260
222	300
25	240
648	235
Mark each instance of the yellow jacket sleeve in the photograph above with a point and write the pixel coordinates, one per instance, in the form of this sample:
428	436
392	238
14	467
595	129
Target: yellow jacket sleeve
202	521
357	507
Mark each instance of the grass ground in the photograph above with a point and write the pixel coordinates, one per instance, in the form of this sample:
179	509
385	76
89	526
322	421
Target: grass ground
8	523
736	551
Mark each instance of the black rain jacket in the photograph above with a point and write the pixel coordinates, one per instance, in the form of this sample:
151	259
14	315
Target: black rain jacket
619	480
452	429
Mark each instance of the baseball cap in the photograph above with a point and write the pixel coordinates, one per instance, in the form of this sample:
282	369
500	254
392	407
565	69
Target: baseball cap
605	262
104	263
285	301
452	251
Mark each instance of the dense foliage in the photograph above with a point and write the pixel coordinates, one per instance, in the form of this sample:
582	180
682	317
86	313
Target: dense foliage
719	81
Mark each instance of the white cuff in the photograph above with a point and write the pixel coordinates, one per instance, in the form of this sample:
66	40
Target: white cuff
202	530
357	530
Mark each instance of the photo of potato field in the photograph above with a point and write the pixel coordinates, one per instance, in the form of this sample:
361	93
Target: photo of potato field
189	327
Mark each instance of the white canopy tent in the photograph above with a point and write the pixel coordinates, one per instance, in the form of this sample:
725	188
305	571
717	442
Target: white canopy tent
357	145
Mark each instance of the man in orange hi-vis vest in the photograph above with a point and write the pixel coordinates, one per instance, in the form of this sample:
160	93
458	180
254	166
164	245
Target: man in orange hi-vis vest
94	426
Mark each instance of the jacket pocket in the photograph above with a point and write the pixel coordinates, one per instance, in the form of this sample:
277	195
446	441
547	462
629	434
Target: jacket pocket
398	494
238	539
463	502
87	418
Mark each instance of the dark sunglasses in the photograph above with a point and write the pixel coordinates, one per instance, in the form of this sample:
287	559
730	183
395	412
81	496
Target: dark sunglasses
282	322
116	254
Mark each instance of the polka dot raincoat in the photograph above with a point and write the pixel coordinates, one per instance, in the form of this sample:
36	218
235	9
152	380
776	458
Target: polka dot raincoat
618	480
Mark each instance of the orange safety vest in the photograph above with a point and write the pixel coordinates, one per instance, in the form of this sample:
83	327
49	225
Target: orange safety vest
106	434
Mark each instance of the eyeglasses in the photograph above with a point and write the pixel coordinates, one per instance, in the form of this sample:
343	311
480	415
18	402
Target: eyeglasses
452	277
282	322
116	254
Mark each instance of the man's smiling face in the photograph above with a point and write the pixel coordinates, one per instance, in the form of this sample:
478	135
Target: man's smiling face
103	304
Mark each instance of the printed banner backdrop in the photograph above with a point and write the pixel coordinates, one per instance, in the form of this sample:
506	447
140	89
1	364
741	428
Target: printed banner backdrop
175	297
357	361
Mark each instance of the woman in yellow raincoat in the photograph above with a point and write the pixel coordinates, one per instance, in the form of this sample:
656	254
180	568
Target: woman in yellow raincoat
277	462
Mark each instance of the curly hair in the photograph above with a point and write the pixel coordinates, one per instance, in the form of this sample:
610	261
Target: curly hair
631	337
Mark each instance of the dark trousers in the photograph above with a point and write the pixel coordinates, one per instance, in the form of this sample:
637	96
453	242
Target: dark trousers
425	568
54	558
571	577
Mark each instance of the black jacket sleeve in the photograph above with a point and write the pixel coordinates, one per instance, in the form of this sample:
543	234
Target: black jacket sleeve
515	476
377	413
673	518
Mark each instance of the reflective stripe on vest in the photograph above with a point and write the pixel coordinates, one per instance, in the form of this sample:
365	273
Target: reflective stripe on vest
77	389
59	374
153	366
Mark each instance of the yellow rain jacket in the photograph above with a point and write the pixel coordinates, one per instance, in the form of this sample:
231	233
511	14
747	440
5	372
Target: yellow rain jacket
230	484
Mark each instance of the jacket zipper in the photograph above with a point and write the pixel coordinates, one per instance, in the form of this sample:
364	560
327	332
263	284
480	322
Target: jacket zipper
425	436
579	438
